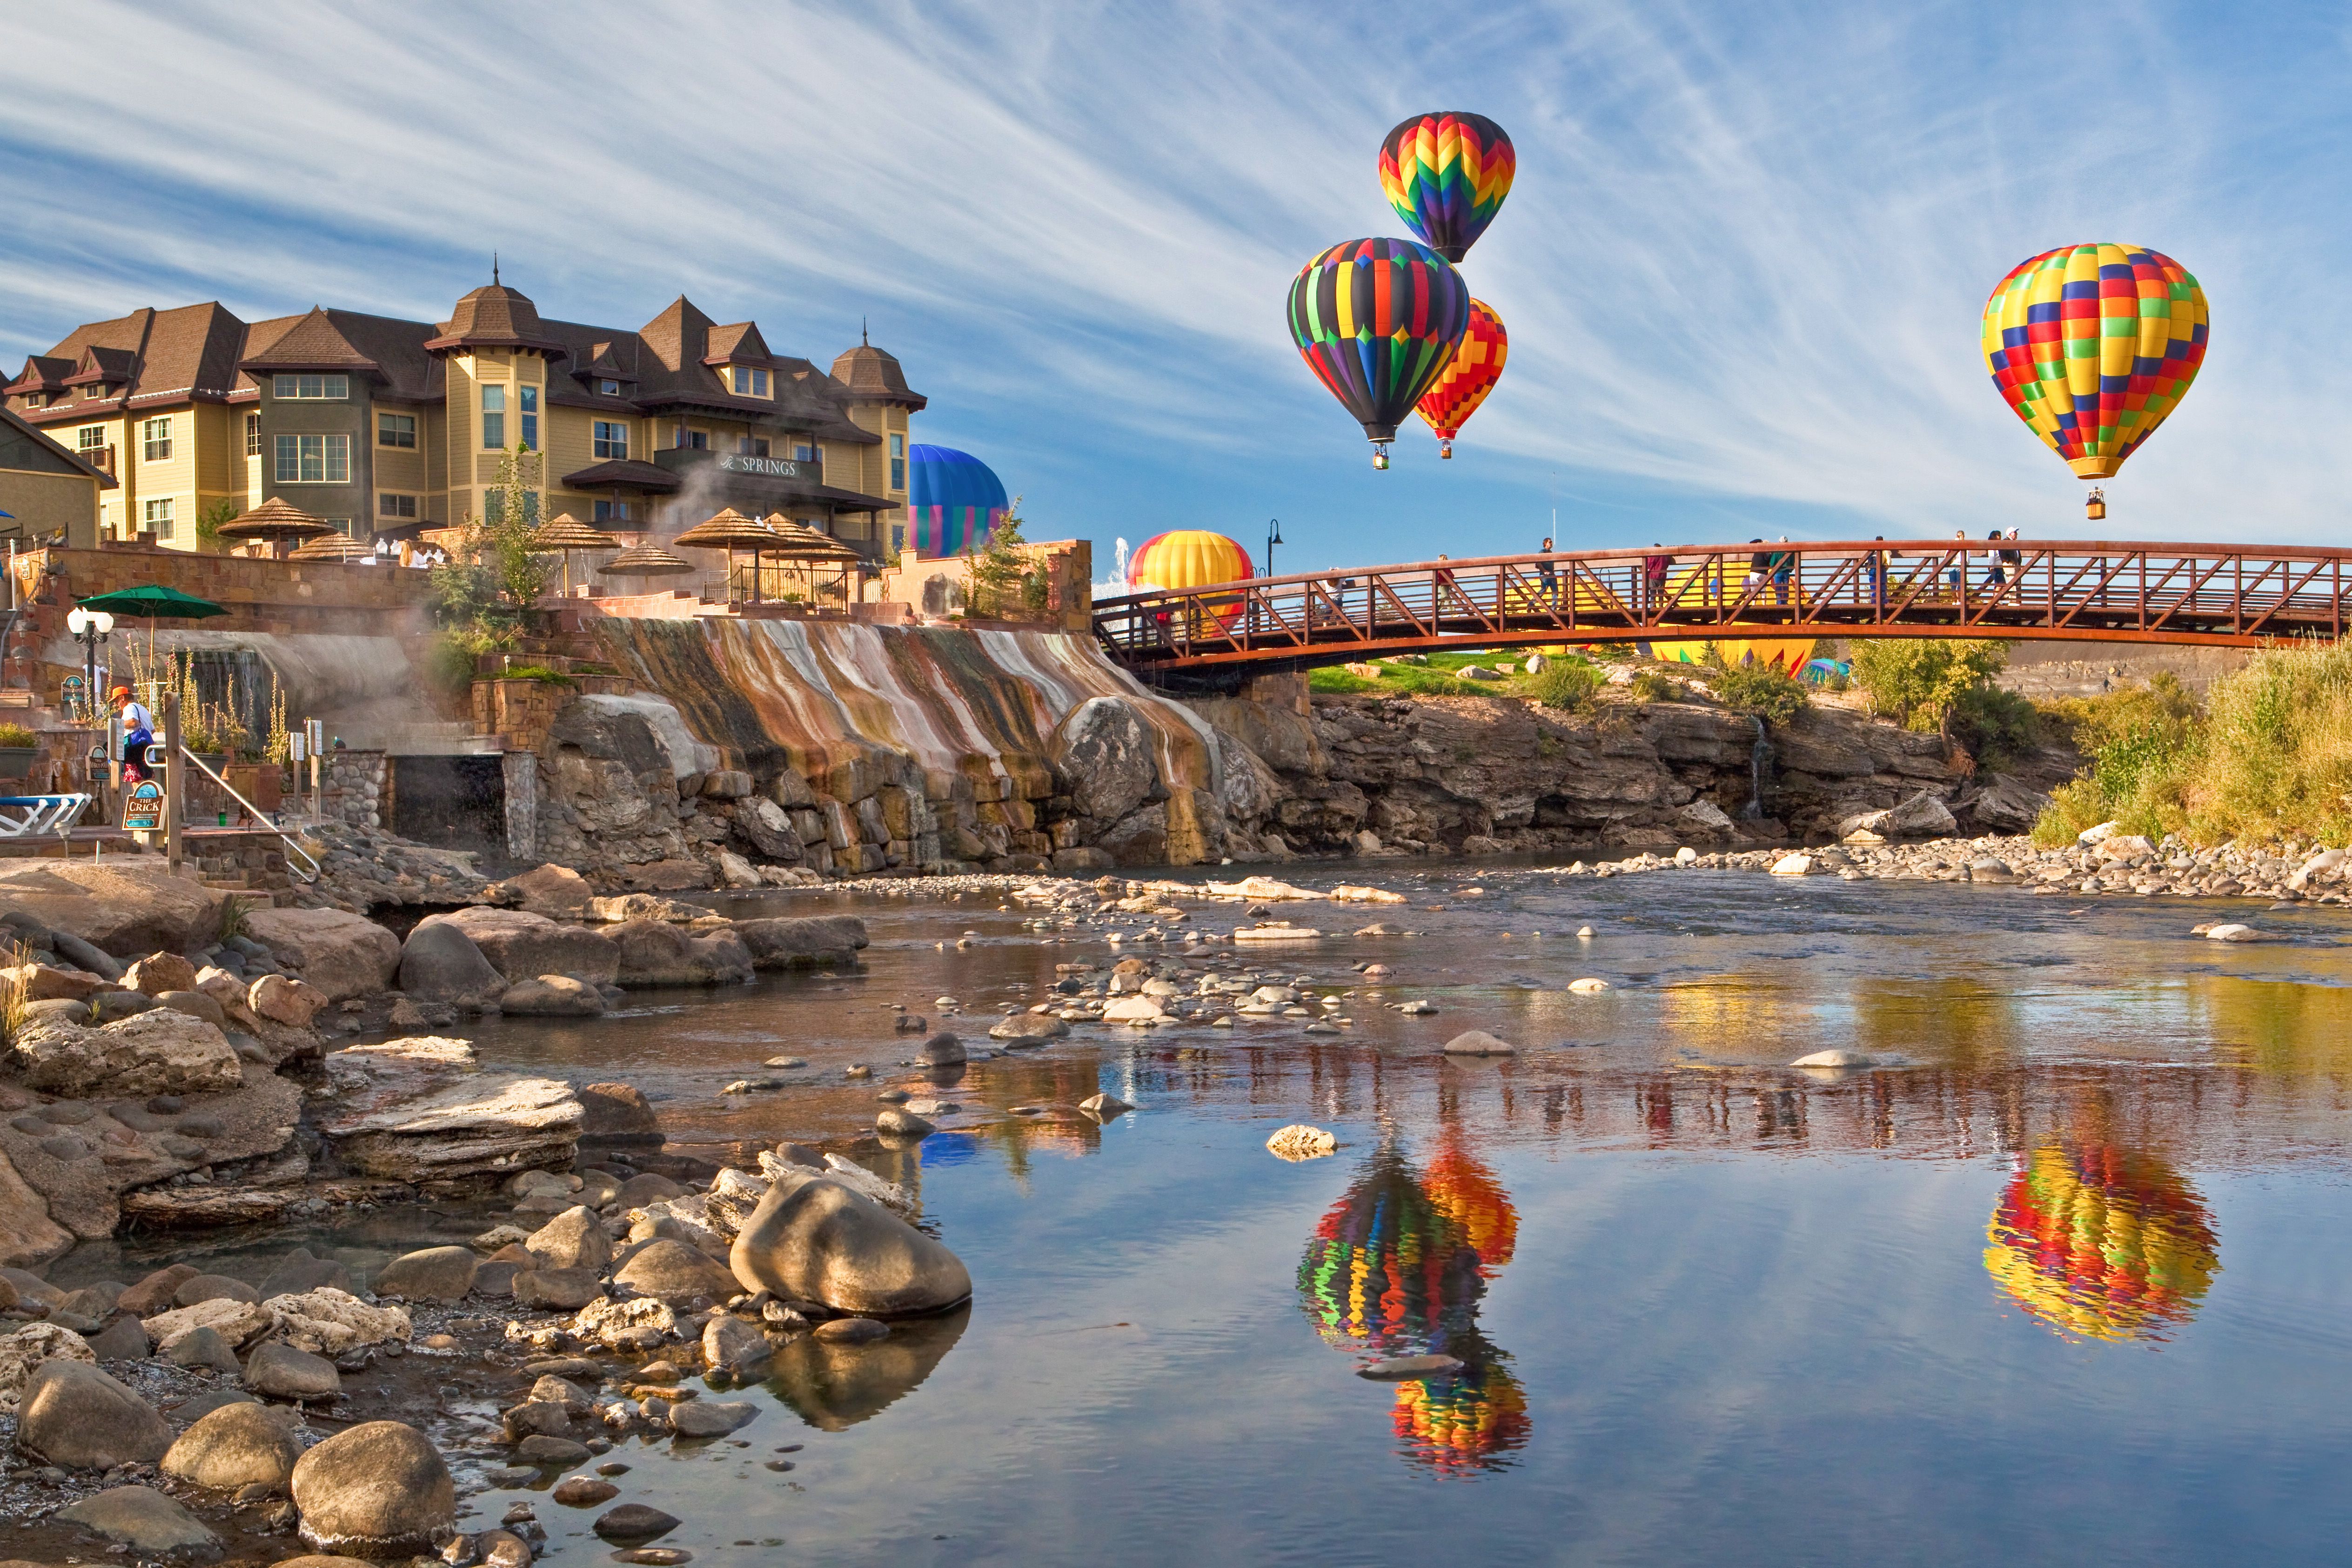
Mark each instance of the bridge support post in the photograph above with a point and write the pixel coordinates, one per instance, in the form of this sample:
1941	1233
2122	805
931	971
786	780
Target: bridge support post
1285	690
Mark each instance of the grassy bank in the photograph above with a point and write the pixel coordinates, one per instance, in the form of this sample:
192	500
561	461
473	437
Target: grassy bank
2268	754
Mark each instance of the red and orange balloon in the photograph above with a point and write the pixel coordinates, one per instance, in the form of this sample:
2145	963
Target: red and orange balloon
1476	366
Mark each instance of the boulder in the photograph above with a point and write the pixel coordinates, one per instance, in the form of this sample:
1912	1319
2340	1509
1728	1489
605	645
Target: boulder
764	827
236	1445
330	1321
520	945
293	1002
786	943
1106	759
160	972
572	1240
557	1289
159	1052
617	1115
281	1372
421	1109
707	1418
1479	1043
944	1050
379	1489
40	983
1924	816
122	1340
343	954
1034	1027
655	952
815	1240
673	1272
157	1292
2006	805
551	996
141	1517
29	1349
124	906
202	1347
77	1417
439	963
430	1274
558	892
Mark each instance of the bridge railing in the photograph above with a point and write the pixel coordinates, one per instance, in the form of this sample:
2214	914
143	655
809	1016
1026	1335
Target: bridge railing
2209	594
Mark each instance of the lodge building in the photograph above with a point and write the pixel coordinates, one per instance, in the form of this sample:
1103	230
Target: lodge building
389	426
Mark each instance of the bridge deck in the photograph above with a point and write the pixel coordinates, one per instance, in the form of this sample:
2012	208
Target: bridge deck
2213	596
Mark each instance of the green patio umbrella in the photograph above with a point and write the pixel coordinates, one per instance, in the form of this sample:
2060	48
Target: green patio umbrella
153	601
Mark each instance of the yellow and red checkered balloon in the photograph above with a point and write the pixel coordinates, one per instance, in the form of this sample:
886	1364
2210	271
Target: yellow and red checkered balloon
2093	346
1467	378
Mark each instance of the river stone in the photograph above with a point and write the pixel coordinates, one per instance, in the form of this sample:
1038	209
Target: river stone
943	1049
213	1287
343	954
122	1340
657	952
1031	1026
237	1444
1478	1043
300	1271
732	1345
205	1348
430	1274
160	972
157	1052
328	1321
674	1272
520	945
706	1418
572	1240
1105	1105
379	1489
618	1116
537	1418
188	1411
2233	932
635	1521
647	1187
551	996
420	1108
196	1004
800	943
558	892
141	1517
1836	1059
281	1372
323	1560
439	963
544	1448
1797	864
281	1000
75	1416
1588	987
815	1240
584	1492
236	1321
26	1351
895	1121
1299	1141
557	1289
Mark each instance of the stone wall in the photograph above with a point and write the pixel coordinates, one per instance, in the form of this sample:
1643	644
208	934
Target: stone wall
351	788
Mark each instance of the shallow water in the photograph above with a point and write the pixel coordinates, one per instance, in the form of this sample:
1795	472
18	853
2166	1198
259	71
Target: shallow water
2066	1283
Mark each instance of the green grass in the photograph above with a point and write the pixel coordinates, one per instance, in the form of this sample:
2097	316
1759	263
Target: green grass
1435	677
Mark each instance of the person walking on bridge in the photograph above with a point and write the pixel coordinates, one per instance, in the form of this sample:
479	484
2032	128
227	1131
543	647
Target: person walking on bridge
1655	567
1549	576
1759	566
1784	566
1873	575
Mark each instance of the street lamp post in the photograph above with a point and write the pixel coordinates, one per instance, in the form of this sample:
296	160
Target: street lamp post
90	629
1273	538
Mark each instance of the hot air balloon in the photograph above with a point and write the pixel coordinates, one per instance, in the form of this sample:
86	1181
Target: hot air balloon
2102	1243
1377	321
1467	378
954	501
1469	1421
2093	345
1192	558
1465	1192
1446	175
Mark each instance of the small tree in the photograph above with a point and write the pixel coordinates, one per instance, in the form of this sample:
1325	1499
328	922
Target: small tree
1002	575
208	525
1921	681
493	575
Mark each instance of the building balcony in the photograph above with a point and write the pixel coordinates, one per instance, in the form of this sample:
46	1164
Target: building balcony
99	457
695	459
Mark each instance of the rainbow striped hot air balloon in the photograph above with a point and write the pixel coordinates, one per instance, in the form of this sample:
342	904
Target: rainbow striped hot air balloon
2093	346
1467	378
1446	174
2102	1244
954	501
1377	321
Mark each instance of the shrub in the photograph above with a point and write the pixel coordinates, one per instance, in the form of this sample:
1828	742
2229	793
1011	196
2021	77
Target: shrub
1919	681
1767	691
537	672
2142	744
1999	727
1651	686
18	735
1567	683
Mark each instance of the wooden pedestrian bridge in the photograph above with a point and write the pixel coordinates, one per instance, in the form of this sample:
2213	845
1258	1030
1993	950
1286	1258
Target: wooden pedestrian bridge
2211	596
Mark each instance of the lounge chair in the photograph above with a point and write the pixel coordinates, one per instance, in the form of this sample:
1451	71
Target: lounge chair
29	816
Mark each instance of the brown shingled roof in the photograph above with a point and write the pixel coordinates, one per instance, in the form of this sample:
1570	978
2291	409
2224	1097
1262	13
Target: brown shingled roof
739	343
186	353
313	343
869	374
496	316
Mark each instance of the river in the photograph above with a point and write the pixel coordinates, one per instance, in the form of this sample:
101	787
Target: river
2064	1280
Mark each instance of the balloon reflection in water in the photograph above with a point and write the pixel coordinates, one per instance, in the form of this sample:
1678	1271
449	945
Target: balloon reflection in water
1392	1270
2097	1242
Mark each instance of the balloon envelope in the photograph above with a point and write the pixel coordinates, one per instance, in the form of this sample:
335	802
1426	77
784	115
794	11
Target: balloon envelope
1446	174
2101	1242
954	501
1468	376
1187	558
1377	321
2093	346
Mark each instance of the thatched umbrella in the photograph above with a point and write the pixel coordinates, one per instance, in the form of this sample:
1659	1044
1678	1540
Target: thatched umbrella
809	545
275	521
644	561
567	533
730	531
332	546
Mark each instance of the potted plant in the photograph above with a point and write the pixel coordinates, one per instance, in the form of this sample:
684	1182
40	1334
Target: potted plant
19	747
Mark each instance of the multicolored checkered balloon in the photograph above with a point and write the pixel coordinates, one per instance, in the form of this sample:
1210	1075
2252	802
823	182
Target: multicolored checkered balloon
1376	321
1446	174
2093	345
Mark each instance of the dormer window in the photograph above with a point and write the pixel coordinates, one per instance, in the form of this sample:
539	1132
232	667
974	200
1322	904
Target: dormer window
96	392
608	388
750	380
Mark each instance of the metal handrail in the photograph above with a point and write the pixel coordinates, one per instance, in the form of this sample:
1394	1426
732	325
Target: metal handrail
258	815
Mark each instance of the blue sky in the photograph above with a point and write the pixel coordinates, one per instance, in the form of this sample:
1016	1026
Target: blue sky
1742	265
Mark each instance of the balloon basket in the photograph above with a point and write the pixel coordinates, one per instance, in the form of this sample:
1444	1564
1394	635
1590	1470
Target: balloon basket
1444	448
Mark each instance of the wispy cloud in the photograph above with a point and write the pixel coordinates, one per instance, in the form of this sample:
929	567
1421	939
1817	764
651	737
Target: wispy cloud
1741	266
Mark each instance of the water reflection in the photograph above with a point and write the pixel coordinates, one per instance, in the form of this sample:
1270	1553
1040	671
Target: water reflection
1397	1267
834	1386
2101	1242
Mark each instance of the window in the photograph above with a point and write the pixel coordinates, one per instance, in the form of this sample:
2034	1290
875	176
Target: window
91	437
609	388
390	505
314	460
253	435
494	419
750	381
314	388
692	440
159	518
395	430
897	462
342	525
804	453
751	445
95	393
530	418
612	511
156	439
611	438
